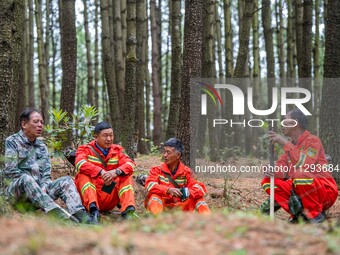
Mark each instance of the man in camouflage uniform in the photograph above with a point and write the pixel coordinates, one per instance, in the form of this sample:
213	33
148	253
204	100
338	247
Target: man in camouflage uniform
28	172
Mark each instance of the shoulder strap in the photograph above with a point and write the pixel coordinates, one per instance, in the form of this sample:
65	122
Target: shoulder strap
171	179
99	157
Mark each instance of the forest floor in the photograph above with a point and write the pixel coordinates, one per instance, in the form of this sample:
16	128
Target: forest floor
234	227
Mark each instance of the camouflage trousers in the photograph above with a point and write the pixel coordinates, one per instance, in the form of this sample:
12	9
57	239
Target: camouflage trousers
26	188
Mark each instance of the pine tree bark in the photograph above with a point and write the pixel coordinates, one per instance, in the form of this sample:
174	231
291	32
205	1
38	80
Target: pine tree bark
218	41
208	71
68	55
54	58
228	39
192	68
42	60
280	39
12	22
243	52
269	46
110	78
90	87
129	140
306	64
141	24
176	63
119	60
299	34
316	62
96	55
256	74
290	42
31	55
330	107
155	76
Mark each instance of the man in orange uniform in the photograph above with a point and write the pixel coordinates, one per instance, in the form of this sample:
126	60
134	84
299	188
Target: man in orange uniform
172	185
104	174
304	169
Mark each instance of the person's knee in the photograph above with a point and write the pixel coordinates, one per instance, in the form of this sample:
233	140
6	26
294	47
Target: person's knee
26	178
66	182
265	180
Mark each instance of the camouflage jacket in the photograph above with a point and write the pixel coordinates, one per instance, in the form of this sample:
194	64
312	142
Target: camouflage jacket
24	157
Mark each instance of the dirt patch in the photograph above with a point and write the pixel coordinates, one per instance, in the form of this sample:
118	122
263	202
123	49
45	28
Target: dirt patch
178	233
235	226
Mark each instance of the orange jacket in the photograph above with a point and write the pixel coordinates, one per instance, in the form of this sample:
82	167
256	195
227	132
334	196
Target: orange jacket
302	158
88	163
158	183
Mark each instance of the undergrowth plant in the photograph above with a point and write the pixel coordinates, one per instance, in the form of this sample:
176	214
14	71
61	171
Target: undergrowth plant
79	129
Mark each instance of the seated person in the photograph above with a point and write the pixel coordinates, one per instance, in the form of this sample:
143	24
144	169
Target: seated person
316	188
104	176
28	172
171	185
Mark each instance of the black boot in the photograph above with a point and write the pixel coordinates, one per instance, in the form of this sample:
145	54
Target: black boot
129	213
94	213
59	213
83	217
95	216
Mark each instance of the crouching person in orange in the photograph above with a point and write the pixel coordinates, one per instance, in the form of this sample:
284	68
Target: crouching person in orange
302	170
104	175
172	185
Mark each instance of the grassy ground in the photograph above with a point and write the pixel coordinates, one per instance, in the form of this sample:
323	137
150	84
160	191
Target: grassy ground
234	227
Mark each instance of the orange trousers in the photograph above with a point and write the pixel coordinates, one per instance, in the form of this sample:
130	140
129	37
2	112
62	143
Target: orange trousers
90	191
316	196
156	204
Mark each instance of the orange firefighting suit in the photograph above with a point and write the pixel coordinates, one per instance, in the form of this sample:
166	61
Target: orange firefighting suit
89	182
157	185
303	167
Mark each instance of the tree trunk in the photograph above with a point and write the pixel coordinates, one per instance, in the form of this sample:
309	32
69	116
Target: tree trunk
330	107
256	75
165	87
12	22
268	38
119	61
25	65
47	53
228	39
54	58
109	73
280	38
243	52
96	56
208	71
299	35
218	40
229	73
176	63
123	15
316	61
68	55
306	64
42	61
290	42
155	79
128	133
192	68
90	87
141	74
31	101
